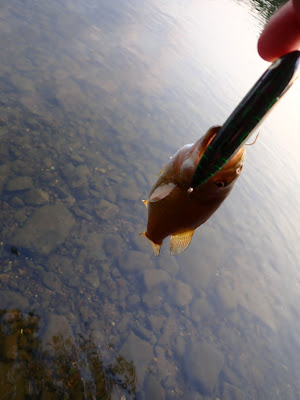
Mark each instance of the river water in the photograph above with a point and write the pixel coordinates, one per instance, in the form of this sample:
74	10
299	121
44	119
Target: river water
95	97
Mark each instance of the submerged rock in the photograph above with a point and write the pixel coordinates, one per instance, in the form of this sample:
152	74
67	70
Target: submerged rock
106	210
58	332
51	281
141	353
203	365
36	197
155	277
19	183
153	389
10	299
46	229
181	294
134	261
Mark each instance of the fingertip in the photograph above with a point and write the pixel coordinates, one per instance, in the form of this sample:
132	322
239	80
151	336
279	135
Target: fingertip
281	34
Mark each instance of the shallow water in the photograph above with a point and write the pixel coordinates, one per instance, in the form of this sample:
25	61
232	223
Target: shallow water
95	96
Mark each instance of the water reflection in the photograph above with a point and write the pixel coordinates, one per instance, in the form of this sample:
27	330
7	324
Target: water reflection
94	99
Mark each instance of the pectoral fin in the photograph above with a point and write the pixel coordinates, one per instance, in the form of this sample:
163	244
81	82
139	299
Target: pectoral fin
156	247
161	192
145	202
180	242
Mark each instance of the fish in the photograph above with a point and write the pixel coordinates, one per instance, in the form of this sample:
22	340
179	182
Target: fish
176	210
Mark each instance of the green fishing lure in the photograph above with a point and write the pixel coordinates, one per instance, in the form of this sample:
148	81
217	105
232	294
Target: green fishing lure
247	116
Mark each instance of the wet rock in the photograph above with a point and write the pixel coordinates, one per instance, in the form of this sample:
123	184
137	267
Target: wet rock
155	277
231	392
203	365
10	299
51	281
153	389
134	261
181	294
141	353
46	229
19	183
106	210
36	197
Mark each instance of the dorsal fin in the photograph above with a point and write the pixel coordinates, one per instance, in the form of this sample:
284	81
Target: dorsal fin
161	192
145	202
180	241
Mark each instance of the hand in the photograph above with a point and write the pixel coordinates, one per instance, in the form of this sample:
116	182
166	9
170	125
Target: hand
281	35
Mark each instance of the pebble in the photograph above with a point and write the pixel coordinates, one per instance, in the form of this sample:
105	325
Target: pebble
51	281
93	279
46	229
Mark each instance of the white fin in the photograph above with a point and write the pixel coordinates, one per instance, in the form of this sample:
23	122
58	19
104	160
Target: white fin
161	170
145	202
161	192
156	247
180	241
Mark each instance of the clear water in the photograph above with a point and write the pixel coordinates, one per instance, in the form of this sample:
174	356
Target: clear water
95	96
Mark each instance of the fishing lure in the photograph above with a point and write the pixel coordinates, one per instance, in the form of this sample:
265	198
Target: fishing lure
247	116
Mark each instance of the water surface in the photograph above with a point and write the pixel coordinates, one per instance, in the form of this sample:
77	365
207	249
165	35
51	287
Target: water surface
95	97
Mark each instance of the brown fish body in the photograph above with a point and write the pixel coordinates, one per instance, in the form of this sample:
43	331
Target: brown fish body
173	210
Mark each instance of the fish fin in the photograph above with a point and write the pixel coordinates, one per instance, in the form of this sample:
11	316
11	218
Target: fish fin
161	170
161	192
180	241
156	247
145	202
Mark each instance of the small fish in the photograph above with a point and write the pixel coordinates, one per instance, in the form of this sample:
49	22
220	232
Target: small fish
177	210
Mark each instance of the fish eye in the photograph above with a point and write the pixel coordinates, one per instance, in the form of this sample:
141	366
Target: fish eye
220	184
